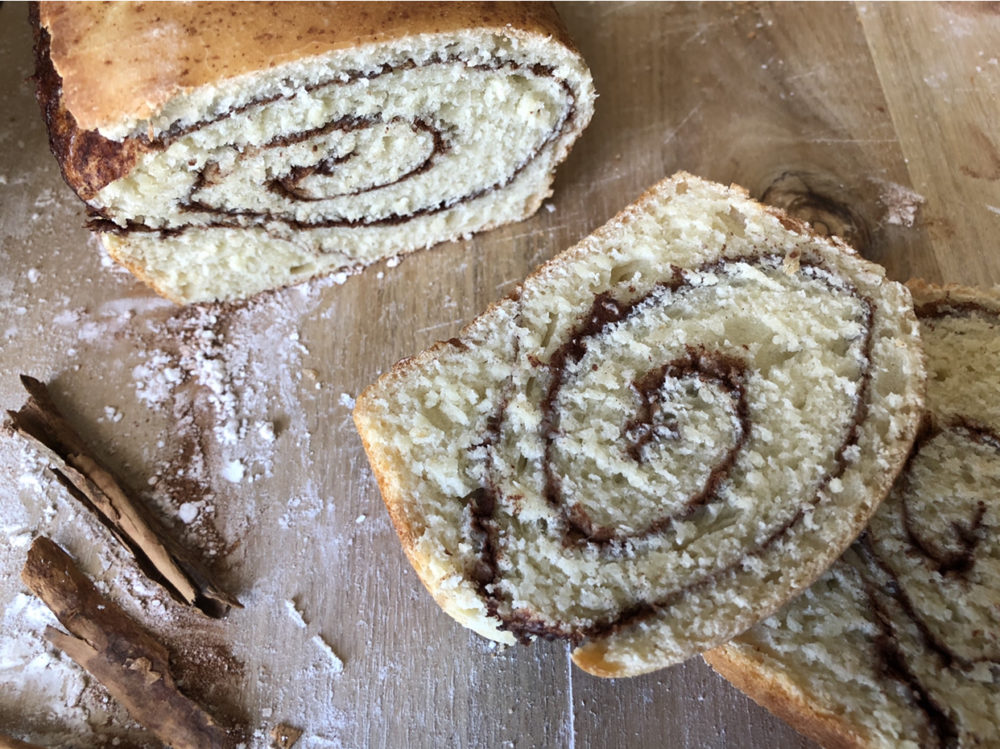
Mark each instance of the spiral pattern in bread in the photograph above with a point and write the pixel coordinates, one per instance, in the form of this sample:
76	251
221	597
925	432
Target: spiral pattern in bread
663	435
898	644
314	163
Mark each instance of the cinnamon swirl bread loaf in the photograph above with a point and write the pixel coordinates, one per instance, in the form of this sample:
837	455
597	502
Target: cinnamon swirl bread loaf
898	644
226	148
661	436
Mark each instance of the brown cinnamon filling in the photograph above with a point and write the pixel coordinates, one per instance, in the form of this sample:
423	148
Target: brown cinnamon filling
968	536
290	185
892	658
726	372
578	529
951	308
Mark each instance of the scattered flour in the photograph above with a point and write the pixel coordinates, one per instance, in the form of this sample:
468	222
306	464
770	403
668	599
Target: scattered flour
187	512
337	665
233	471
265	431
112	414
901	203
295	614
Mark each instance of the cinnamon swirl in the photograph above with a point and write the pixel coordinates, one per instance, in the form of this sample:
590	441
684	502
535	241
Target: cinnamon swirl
898	644
664	434
227	148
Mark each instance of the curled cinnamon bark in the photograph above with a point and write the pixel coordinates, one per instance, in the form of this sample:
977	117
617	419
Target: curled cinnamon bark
125	658
96	487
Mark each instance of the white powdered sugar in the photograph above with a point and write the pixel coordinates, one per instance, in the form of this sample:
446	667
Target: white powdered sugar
265	430
294	614
187	512
901	203
156	378
199	357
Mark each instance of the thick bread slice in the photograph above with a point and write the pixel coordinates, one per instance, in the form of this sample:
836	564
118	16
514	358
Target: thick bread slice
665	433
898	644
227	148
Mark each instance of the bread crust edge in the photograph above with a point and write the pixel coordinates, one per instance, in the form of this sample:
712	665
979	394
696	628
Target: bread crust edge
780	697
109	76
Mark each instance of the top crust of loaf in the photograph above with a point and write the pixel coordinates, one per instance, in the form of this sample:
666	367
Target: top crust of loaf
111	82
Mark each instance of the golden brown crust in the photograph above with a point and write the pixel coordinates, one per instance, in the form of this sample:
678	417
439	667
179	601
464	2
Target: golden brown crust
752	677
926	293
125	60
88	160
593	660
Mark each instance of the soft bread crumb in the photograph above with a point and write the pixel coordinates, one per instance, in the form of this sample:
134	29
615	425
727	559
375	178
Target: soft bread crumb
321	164
672	358
895	646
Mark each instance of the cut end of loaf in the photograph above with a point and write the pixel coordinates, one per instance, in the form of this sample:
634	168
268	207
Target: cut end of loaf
664	434
324	156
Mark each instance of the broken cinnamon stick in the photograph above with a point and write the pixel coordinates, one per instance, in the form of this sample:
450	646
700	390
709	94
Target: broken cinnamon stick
158	555
125	658
284	736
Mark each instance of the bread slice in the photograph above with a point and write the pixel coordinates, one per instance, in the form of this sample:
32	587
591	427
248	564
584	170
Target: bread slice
227	148
898	644
665	433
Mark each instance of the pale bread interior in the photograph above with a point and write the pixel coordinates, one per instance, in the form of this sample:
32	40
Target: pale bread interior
889	647
789	305
419	141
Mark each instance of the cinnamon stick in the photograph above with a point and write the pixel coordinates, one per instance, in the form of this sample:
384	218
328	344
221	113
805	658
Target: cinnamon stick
105	641
284	736
96	487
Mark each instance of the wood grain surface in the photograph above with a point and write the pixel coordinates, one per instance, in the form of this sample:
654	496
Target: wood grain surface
878	122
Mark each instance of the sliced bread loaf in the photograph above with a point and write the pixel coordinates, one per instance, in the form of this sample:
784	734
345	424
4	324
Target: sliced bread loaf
666	432
898	644
227	148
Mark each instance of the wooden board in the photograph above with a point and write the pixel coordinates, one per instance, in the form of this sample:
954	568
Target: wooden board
875	121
